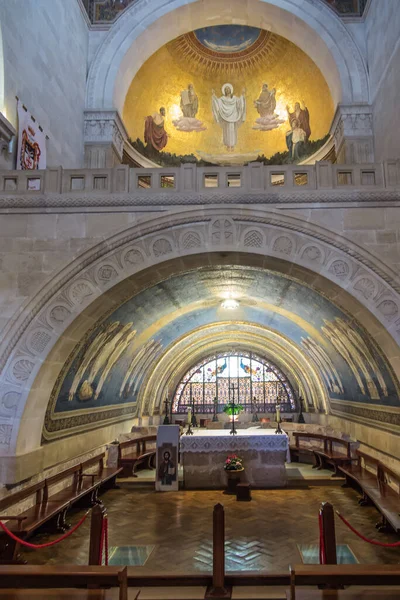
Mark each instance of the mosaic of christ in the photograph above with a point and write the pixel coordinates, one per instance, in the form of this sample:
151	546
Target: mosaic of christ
228	94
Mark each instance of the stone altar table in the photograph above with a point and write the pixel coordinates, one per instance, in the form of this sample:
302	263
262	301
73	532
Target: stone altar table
264	454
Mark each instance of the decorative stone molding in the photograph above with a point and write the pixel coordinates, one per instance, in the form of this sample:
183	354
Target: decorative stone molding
119	186
386	418
104	138
352	128
40	323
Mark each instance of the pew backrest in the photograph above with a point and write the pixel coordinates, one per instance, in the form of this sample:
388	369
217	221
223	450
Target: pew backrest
96	461
36	490
387	476
73	472
139	443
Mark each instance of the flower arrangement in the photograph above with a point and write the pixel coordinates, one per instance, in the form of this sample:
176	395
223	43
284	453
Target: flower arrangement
233	409
233	463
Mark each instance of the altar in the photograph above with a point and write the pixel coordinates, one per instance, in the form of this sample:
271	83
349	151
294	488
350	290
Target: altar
264	454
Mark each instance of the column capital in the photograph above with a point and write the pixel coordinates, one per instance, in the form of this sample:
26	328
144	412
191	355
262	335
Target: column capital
104	137
352	128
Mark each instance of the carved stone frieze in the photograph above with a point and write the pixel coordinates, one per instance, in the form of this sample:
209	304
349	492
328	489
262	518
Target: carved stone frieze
105	127
376	417
352	129
163	199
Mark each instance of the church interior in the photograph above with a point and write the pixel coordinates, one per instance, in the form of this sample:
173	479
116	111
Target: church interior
200	299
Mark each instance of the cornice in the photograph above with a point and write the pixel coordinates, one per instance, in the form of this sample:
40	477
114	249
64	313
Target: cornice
171	199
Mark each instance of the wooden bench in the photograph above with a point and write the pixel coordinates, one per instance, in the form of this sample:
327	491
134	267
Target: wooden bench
51	508
28	521
303	453
134	453
329	455
374	479
322	449
343	575
47	577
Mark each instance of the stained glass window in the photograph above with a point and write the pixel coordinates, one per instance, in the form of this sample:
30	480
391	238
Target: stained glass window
259	385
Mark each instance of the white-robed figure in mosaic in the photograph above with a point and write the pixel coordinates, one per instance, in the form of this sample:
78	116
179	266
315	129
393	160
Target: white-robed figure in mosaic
230	112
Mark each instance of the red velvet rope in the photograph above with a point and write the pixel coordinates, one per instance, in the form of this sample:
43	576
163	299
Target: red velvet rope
39	546
376	543
321	540
100	561
106	541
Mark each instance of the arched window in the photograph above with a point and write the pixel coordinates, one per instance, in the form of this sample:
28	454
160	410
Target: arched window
258	385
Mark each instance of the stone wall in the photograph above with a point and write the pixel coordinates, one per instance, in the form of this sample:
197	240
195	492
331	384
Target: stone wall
35	246
45	46
383	46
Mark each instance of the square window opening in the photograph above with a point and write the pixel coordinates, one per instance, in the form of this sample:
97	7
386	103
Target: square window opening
211	180
301	178
33	184
277	179
234	180
344	178
368	178
10	184
167	181
144	182
77	183
99	183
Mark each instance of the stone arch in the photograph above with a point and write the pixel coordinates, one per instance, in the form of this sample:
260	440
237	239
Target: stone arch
273	346
42	321
311	25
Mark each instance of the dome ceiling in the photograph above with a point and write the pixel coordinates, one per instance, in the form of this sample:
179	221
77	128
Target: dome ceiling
228	95
105	372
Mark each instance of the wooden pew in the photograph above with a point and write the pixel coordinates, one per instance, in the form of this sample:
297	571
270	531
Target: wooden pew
343	575
373	478
25	523
47	577
48	506
134	453
329	455
302	452
322	448
103	477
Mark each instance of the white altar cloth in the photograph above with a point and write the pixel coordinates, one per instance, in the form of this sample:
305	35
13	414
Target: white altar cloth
264	454
220	440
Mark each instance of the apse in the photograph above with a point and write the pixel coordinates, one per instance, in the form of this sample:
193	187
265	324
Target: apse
139	352
228	95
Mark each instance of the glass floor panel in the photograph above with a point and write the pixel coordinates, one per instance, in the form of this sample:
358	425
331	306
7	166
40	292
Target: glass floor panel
310	554
131	556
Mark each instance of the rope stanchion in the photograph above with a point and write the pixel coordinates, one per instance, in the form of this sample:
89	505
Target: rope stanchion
360	535
100	561
103	549
48	544
106	541
322	558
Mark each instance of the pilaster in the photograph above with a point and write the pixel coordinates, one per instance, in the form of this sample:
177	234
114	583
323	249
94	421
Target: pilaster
7	133
352	128
104	136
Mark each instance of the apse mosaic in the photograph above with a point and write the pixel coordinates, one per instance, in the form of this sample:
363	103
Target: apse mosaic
103	375
228	95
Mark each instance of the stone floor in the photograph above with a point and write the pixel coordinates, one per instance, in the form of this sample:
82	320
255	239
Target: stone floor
261	535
